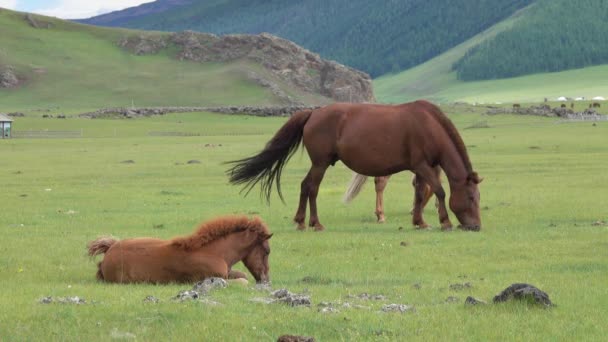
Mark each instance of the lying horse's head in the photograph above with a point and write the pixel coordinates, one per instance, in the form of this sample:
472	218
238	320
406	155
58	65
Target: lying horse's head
257	260
464	202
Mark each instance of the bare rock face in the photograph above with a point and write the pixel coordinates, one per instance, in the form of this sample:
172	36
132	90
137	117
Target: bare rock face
8	78
289	62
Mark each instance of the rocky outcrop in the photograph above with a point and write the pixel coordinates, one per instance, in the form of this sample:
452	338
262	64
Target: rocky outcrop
285	60
8	78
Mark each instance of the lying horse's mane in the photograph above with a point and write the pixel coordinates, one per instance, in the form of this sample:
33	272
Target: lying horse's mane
447	124
217	228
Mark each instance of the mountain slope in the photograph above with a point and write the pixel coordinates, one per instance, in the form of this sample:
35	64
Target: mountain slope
376	37
63	64
555	35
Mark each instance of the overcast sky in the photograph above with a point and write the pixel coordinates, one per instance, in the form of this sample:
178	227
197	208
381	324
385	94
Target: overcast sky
70	9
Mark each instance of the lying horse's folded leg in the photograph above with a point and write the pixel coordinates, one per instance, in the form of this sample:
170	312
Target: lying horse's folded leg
232	274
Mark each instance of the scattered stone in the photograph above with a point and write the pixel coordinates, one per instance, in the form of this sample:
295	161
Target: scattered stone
460	287
263	287
526	292
151	299
328	309
294	338
62	300
473	301
120	335
367	296
194	161
417	286
452	299
599	223
23	195
46	300
129	161
403	243
398	308
291	299
185	295
202	287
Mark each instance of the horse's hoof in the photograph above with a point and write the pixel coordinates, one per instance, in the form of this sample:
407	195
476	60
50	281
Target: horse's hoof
301	227
421	226
319	228
381	220
446	226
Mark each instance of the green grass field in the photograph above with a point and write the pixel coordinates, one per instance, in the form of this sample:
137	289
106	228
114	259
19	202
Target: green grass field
544	188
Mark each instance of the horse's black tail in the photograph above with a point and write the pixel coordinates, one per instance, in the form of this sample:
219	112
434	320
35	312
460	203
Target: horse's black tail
266	166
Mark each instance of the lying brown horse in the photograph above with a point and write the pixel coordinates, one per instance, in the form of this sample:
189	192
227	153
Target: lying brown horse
372	140
210	251
357	182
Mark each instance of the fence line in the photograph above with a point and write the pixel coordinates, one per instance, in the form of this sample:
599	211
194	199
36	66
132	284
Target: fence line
579	117
44	134
197	134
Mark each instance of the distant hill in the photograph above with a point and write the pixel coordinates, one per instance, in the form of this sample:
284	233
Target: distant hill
386	37
555	35
377	37
436	79
51	63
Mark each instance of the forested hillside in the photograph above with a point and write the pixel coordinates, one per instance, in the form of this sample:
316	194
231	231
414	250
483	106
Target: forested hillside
555	35
374	36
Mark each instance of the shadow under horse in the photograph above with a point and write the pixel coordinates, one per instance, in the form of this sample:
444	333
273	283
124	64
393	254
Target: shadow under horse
372	140
210	251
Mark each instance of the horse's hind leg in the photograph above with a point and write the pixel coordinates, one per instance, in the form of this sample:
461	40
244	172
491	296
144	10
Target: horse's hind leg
316	176
301	213
380	183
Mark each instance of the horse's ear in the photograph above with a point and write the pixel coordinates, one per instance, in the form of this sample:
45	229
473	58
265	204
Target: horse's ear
267	237
474	177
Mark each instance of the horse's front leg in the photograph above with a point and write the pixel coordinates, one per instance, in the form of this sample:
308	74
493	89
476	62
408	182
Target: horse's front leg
380	183
427	191
429	175
301	213
316	176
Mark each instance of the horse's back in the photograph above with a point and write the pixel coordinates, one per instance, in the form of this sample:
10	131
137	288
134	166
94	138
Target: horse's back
371	139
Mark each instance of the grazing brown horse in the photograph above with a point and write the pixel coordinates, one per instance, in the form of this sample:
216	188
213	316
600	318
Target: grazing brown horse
372	140
210	251
357	182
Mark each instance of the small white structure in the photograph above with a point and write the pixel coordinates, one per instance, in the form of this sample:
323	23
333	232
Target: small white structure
580	98
562	98
5	126
599	98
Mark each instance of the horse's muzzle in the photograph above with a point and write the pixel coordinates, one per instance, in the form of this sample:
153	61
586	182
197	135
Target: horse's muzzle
472	228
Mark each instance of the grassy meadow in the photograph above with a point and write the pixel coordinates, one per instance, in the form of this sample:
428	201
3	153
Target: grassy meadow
545	186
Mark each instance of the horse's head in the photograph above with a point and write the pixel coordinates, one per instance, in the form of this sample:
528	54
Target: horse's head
257	260
464	202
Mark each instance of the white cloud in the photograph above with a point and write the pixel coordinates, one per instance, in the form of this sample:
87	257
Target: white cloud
10	4
78	9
